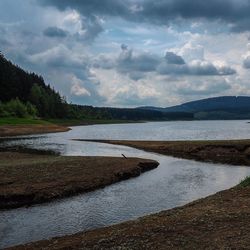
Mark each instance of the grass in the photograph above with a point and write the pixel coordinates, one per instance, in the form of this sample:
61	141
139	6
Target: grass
245	182
75	122
22	121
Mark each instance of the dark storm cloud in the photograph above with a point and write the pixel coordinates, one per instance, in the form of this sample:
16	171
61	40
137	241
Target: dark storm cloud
55	32
233	12
172	58
92	7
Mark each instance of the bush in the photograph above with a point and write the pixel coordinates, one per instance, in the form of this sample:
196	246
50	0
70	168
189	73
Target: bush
3	112
245	182
31	109
16	108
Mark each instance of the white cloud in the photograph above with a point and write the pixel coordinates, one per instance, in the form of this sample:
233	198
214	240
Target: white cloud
191	51
77	89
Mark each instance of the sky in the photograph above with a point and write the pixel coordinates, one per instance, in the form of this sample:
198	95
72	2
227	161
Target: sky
129	53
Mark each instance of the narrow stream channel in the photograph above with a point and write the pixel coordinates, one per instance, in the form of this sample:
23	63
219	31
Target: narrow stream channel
175	182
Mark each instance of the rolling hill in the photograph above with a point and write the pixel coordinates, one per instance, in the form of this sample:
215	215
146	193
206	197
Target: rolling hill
223	107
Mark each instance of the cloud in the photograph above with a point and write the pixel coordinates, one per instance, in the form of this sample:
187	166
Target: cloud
175	65
59	56
235	13
198	67
192	51
90	28
246	58
128	61
96	7
206	88
137	65
172	58
77	89
246	62
55	32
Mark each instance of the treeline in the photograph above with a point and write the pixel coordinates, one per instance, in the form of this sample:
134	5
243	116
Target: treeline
127	114
25	94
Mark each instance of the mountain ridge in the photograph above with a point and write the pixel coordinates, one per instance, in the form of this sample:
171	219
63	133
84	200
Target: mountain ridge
237	107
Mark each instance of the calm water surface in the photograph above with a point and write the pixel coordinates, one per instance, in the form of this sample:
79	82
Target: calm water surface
174	183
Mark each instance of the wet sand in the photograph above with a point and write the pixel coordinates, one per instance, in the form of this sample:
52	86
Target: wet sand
15	130
233	152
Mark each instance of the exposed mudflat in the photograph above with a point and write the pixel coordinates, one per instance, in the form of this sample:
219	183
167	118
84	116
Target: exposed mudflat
15	130
28	178
234	152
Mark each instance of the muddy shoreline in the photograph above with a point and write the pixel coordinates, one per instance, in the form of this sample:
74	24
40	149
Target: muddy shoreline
233	152
16	130
31	179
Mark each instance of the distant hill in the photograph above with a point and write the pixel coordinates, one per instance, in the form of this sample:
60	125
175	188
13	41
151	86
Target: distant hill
223	107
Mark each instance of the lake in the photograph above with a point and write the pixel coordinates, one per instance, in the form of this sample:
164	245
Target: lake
174	183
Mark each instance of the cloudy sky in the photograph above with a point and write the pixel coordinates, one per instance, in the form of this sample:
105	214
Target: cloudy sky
128	53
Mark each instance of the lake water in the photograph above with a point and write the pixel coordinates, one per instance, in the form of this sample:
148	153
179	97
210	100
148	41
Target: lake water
175	182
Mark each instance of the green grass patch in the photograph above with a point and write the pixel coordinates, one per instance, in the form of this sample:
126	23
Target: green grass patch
245	182
63	122
21	121
75	122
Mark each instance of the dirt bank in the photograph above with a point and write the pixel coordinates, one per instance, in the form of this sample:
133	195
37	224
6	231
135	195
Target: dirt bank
220	221
234	152
28	178
15	130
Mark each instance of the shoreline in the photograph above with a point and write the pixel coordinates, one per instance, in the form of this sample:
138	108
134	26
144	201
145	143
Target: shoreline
52	126
232	152
28	179
30	129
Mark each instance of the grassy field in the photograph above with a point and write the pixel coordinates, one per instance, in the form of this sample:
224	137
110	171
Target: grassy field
62	122
22	121
245	182
74	122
